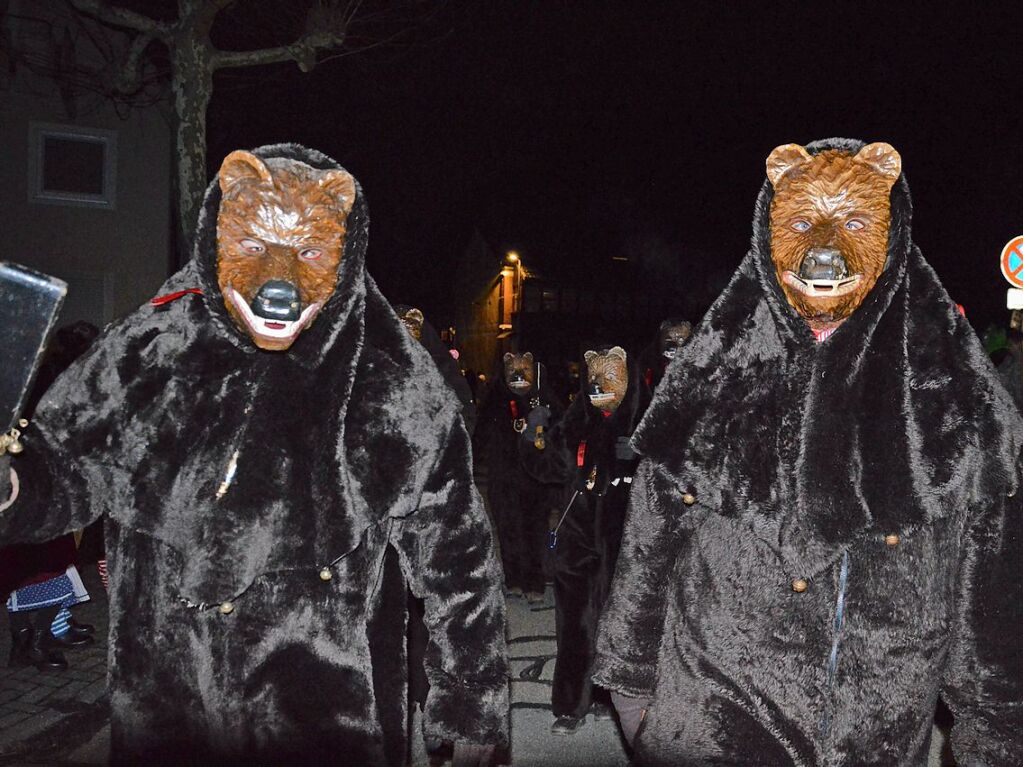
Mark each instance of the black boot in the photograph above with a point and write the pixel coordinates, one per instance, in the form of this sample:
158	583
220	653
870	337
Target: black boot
72	640
41	653
80	629
21	638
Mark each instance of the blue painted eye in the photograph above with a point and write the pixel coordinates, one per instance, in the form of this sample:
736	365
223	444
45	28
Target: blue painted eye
853	224
801	225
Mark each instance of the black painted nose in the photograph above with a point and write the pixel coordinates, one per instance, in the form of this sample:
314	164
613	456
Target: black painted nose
823	264
277	300
595	389
517	377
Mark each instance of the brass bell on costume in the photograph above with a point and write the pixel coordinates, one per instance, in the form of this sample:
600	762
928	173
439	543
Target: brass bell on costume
326	574
11	441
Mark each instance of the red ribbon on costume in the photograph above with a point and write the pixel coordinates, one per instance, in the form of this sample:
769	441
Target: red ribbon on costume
514	408
161	300
580	454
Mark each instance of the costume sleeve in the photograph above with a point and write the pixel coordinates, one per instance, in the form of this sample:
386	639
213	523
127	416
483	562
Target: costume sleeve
448	557
55	492
630	629
983	684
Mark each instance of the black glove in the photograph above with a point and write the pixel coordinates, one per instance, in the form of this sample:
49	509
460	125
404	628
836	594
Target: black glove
5	478
623	450
472	755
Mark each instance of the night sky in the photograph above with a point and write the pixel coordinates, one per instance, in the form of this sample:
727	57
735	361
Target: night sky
573	131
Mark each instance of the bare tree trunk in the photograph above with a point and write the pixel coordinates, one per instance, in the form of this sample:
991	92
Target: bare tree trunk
192	86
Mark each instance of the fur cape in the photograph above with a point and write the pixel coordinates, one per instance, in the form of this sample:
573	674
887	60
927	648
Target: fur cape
265	622
881	468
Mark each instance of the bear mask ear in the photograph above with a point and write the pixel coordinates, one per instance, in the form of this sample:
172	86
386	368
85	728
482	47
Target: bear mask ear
340	185
243	166
616	351
589	356
508	356
414	315
528	356
883	158
783	159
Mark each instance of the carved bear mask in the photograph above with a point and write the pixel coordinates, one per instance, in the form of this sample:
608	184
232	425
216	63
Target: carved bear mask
519	372
672	336
413	320
830	216
280	238
607	377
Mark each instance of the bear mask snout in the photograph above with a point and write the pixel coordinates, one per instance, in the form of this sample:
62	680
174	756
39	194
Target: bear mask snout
823	264
277	300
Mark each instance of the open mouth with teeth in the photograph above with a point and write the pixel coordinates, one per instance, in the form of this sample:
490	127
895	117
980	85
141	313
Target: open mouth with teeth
821	288
520	385
272	330
601	399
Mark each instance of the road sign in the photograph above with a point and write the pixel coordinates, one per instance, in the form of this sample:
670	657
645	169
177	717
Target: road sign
1012	261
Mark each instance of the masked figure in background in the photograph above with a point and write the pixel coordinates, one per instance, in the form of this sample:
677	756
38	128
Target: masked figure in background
519	407
424	332
276	459
589	453
825	531
671	337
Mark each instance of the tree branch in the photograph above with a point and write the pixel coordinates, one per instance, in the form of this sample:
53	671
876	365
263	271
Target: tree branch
122	17
298	52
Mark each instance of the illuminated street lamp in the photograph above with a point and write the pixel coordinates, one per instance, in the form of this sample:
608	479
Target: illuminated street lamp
513	256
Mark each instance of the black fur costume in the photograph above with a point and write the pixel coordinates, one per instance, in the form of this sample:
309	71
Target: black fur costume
267	625
769	458
590	533
519	503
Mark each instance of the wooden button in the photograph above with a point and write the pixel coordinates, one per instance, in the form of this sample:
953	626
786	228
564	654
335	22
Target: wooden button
892	539
326	574
226	608
688	499
799	585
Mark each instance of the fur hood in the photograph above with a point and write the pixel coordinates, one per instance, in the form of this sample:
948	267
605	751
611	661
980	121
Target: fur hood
753	375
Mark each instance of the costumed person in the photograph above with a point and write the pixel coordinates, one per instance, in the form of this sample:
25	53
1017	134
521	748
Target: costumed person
672	335
1010	367
276	459
518	407
825	531
419	328
422	331
590	453
40	582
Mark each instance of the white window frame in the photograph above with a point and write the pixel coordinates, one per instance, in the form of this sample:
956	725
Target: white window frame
38	132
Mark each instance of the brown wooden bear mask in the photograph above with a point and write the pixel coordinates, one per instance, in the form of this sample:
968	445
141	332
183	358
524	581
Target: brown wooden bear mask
607	377
413	320
280	237
672	336
519	372
830	217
